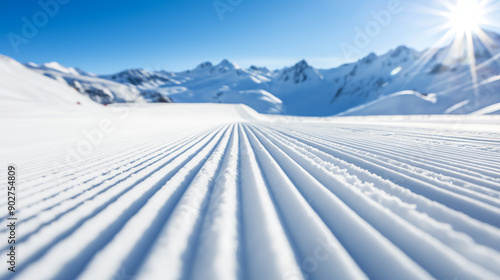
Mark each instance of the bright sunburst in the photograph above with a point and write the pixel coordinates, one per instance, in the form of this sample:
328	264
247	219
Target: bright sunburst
466	16
464	25
465	20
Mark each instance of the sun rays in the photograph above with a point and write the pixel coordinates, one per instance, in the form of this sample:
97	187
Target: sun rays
464	25
466	16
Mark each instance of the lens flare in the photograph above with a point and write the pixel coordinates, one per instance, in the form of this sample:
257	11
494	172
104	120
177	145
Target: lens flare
466	16
465	25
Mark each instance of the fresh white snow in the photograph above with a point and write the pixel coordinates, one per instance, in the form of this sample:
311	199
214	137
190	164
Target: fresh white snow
214	191
19	85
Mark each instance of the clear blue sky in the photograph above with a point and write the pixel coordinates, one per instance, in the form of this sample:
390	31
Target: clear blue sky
106	36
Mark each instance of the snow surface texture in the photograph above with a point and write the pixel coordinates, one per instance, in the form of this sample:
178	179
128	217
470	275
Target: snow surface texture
190	191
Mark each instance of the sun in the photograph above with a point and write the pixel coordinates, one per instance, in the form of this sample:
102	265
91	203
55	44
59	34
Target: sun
466	16
465	25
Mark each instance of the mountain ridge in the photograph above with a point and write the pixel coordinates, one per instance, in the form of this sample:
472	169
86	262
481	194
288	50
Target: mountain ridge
306	91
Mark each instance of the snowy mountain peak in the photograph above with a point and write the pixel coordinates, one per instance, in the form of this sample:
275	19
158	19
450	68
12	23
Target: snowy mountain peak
204	65
400	51
302	64
225	66
55	66
370	58
299	73
138	77
262	70
227	63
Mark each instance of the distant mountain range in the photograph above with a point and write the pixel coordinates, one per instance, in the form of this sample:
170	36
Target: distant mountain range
402	81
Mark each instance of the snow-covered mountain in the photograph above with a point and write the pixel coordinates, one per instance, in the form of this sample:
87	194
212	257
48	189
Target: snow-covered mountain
225	82
401	81
100	90
299	73
139	77
402	77
19	84
432	82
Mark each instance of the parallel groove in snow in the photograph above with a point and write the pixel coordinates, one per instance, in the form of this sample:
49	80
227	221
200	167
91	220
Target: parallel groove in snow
153	178
397	154
254	200
299	215
392	261
403	236
275	260
436	211
412	181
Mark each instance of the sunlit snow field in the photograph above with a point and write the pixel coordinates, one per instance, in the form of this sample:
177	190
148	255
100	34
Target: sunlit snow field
190	191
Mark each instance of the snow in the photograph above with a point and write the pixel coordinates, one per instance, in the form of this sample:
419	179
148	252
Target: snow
401	81
402	183
400	103
100	90
19	85
441	74
492	109
218	191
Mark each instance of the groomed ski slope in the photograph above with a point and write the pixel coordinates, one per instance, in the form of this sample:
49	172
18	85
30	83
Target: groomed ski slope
187	191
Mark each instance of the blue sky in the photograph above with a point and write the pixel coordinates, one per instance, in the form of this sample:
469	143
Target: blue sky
108	36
